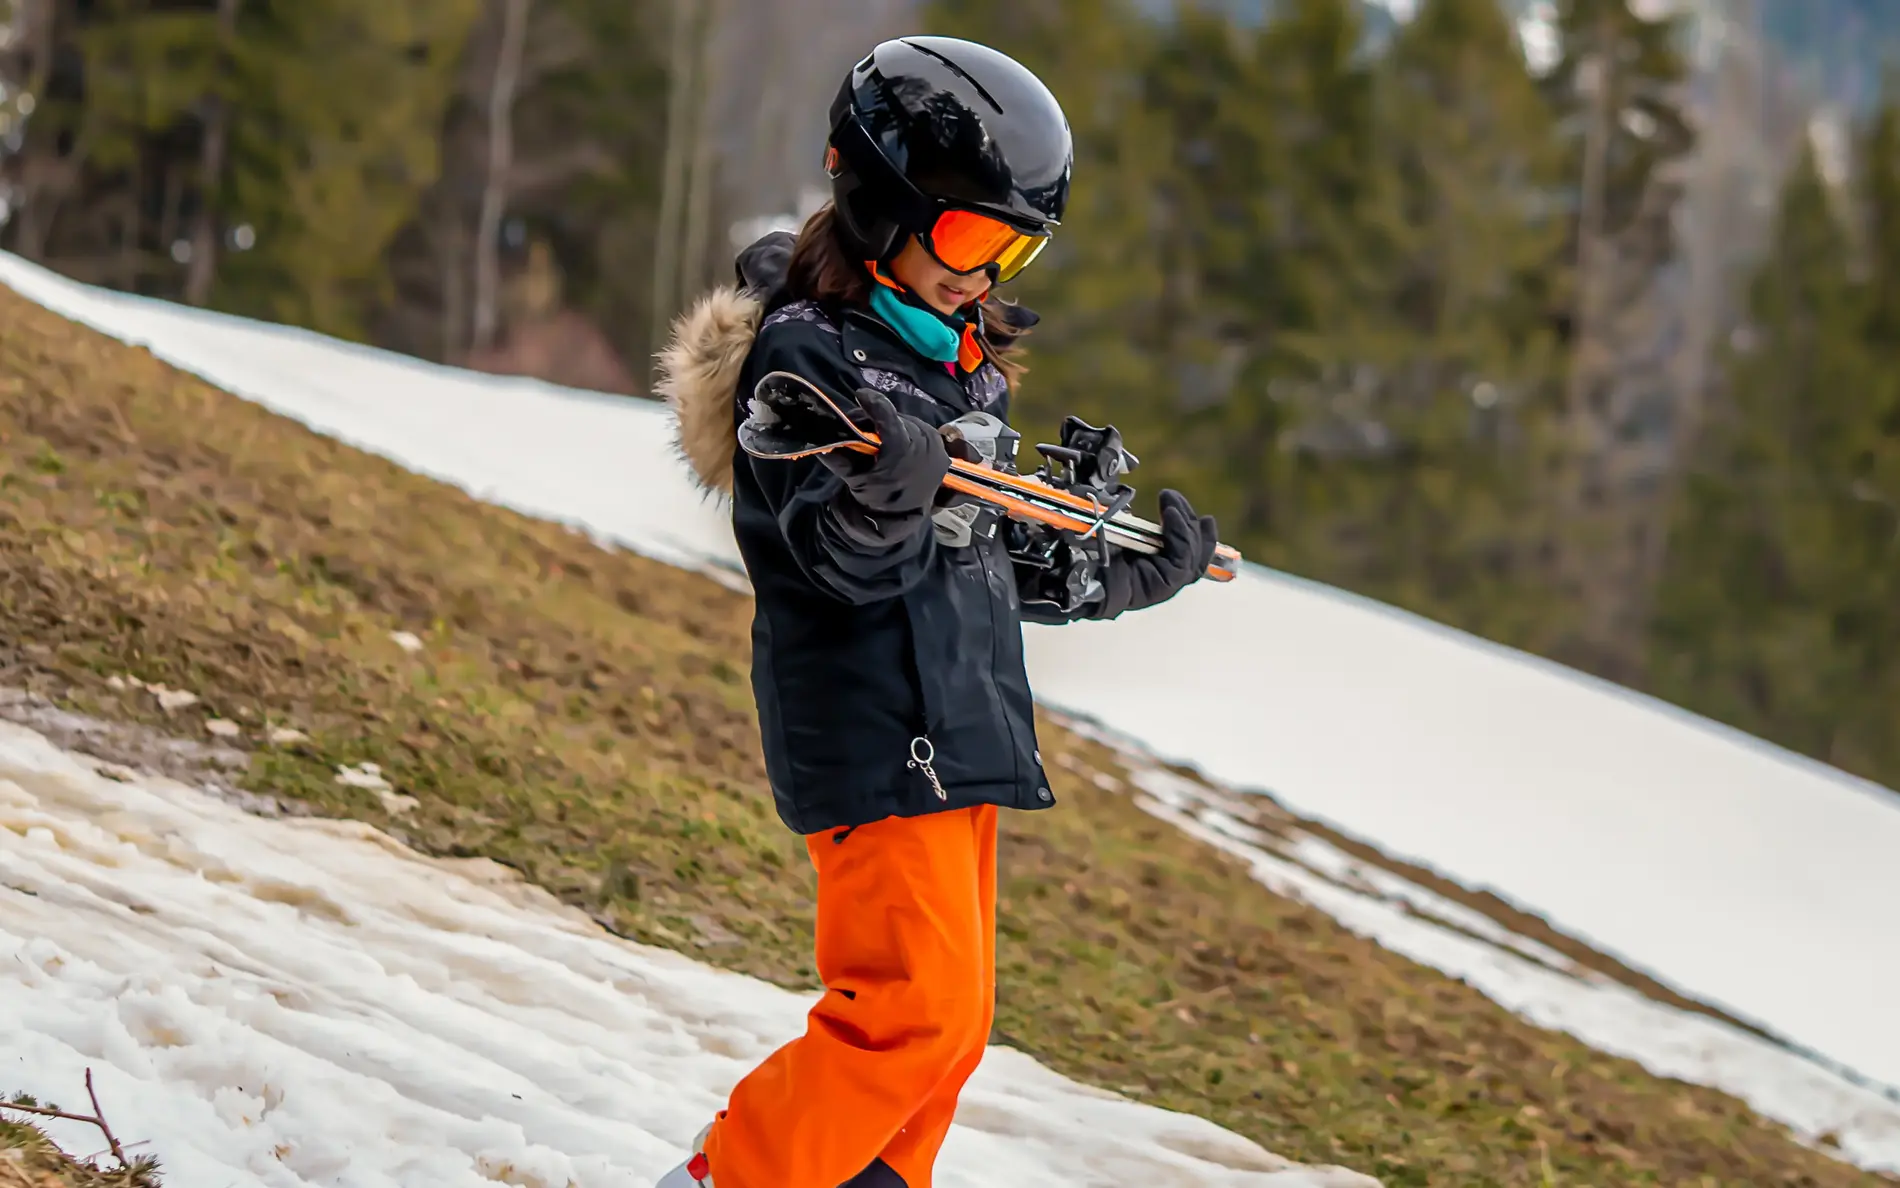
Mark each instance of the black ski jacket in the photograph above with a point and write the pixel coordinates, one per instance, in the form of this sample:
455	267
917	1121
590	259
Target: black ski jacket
874	670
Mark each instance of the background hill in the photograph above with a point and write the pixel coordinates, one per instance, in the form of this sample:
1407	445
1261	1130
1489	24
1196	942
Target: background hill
185	565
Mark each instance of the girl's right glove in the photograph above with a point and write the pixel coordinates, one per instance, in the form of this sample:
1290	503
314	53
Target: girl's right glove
1136	581
895	488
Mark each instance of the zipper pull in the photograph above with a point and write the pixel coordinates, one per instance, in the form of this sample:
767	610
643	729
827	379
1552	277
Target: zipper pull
922	755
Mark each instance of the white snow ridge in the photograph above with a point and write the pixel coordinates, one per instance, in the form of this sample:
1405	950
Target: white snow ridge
289	1002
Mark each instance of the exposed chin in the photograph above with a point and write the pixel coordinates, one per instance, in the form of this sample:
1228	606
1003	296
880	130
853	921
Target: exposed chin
950	300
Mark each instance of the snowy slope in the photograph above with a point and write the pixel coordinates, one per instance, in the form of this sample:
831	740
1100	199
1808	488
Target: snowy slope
299	1002
1732	870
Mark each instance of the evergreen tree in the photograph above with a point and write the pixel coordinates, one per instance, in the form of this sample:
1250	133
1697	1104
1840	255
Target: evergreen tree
1099	351
1219	165
100	184
1292	194
1867	726
1779	612
333	142
298	136
1323	314
1449	329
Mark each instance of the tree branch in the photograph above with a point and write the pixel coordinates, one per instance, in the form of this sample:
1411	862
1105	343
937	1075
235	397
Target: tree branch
97	1118
680	64
203	269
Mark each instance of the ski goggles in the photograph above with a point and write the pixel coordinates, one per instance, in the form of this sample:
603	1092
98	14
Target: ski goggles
964	242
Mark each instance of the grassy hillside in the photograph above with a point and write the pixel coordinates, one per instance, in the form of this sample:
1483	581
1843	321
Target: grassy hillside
583	716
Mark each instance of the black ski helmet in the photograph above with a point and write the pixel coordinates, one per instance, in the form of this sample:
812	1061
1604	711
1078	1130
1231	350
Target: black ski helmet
922	124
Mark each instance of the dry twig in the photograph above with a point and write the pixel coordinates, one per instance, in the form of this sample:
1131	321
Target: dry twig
97	1118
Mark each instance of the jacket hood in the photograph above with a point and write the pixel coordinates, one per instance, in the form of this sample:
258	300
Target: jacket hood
700	366
699	371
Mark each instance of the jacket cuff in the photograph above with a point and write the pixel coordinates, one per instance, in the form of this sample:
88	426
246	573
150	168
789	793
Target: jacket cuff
877	534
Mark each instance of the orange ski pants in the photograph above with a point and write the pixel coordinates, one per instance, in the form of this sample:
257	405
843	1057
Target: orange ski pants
906	948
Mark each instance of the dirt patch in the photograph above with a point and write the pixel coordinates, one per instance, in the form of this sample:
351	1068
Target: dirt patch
129	748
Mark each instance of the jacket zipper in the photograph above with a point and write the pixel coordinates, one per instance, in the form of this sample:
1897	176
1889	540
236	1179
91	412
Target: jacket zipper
923	752
922	755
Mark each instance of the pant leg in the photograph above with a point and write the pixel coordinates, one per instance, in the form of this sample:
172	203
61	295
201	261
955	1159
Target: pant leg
902	948
913	1153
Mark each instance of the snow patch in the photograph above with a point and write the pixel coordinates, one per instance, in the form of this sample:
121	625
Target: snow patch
1541	985
302	1001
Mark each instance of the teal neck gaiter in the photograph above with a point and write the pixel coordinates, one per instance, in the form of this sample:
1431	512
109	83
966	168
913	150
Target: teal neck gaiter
928	332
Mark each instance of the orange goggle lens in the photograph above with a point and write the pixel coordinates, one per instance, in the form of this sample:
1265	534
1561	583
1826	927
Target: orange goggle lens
964	241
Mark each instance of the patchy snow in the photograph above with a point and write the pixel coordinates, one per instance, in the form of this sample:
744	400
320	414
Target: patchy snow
1541	985
297	1001
1733	871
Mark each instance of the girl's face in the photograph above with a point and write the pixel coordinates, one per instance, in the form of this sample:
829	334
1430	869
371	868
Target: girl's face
938	287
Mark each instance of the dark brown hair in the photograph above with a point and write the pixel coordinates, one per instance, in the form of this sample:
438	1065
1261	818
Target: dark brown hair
822	270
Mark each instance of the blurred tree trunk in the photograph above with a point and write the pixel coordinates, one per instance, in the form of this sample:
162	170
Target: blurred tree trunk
681	66
1581	483
1620	82
452	237
582	177
1749	132
701	197
40	173
501	101
203	267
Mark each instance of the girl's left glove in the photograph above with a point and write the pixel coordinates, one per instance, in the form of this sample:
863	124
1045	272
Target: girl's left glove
1136	581
903	477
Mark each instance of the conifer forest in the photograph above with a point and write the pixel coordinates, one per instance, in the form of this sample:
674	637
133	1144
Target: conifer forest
1572	324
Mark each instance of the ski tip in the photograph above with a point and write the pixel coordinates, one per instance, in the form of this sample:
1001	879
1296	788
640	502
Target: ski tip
1226	564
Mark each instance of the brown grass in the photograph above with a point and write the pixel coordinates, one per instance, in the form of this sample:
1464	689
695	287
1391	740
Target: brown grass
583	715
30	1159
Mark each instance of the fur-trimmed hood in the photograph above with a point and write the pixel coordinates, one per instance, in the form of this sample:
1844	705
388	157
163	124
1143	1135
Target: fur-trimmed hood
699	373
700	366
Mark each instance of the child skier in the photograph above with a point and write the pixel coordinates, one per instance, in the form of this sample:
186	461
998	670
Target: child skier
887	662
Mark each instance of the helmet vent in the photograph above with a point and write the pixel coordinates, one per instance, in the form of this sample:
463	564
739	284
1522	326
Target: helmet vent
971	78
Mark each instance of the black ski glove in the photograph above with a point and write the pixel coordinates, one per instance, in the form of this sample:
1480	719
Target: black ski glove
1135	581
903	477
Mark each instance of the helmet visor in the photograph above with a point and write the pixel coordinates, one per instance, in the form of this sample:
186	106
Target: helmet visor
964	241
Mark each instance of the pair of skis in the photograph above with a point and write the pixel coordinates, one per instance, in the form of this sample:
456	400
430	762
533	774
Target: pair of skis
1077	491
